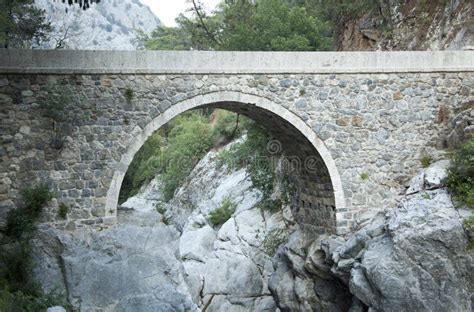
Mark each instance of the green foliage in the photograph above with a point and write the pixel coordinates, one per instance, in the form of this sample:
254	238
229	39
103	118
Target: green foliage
164	38
426	161
188	141
129	94
269	25
364	176
223	213
253	154
227	126
35	198
272	25
461	174
173	151
63	211
19	301
58	102
166	220
273	240
18	291
22	25
143	168
20	221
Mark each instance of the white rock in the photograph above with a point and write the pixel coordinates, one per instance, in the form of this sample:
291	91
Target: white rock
416	184
197	244
436	175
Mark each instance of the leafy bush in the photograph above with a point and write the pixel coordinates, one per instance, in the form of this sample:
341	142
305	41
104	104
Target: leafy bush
19	301
20	221
461	174
35	198
223	213
273	240
174	150
254	155
189	140
364	176
226	126
18	291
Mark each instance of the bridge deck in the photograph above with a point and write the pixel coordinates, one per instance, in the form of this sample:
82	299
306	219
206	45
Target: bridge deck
200	62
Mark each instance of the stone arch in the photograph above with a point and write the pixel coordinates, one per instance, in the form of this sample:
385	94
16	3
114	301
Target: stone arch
226	100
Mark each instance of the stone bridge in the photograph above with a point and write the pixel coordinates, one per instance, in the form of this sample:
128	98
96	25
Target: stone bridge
359	121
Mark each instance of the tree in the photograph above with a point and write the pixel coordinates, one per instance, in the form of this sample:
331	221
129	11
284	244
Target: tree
84	4
244	25
22	25
164	38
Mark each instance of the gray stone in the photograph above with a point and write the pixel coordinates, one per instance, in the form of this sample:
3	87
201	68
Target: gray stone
56	309
417	184
436	174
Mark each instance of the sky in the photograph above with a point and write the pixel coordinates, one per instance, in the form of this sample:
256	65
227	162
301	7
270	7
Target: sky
168	10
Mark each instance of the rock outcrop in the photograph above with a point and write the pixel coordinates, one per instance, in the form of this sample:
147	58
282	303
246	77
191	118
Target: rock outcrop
410	25
414	257
174	259
170	257
109	25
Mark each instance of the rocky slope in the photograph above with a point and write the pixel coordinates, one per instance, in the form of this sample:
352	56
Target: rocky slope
169	257
175	259
109	25
410	25
414	257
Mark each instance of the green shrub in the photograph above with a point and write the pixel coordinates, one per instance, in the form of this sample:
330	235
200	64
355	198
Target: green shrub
18	223
63	211
35	198
129	94
227	126
364	176
426	161
223	213
19	301
59	102
261	164
461	174
273	240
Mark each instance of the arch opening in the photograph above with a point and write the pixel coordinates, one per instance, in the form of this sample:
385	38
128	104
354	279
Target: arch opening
318	198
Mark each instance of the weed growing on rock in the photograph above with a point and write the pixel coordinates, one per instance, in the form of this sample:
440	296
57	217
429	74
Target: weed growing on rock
129	94
426	161
364	176
63	211
223	213
273	240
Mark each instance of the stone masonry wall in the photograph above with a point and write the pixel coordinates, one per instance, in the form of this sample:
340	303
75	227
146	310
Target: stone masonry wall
375	126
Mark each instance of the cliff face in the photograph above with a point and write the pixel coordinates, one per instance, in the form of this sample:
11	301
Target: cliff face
109	25
410	25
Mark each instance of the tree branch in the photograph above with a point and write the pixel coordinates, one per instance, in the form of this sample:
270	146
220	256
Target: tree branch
203	24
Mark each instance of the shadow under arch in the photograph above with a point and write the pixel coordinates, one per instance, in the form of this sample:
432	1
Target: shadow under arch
246	104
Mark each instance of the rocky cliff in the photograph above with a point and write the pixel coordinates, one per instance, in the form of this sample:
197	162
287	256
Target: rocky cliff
409	25
109	25
170	257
